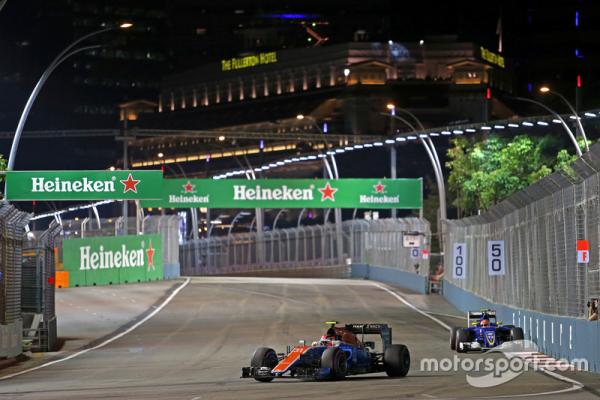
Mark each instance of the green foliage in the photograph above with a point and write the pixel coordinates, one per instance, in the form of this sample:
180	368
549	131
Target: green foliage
3	165
484	172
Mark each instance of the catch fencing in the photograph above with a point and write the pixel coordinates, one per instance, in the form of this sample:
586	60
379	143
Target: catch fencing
540	226
374	242
38	289
12	231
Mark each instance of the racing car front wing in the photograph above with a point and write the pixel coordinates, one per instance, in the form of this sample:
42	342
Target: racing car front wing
300	372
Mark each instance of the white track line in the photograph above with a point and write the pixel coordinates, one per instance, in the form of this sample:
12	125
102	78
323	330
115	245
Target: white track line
406	302
107	341
576	384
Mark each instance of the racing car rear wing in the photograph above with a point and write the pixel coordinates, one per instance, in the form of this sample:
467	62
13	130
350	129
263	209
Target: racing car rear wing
384	330
476	315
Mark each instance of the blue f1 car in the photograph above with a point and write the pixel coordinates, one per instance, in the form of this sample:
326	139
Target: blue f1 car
483	332
337	354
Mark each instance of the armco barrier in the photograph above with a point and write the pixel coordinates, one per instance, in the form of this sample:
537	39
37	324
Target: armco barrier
560	337
394	276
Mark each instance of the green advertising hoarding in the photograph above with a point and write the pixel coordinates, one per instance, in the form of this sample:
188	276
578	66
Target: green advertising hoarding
83	185
290	193
105	260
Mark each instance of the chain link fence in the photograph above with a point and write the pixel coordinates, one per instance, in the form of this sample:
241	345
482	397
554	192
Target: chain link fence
375	242
38	289
540	226
12	230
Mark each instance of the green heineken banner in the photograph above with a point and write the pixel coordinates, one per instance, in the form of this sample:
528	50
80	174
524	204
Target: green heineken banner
83	185
111	260
290	193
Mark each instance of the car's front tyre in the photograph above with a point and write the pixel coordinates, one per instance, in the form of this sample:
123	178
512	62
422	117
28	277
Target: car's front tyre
453	332
334	358
462	336
516	333
264	357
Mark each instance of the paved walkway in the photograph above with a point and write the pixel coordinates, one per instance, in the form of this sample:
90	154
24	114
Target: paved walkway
88	313
85	314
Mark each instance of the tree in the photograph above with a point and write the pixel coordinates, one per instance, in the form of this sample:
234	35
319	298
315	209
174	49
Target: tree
484	172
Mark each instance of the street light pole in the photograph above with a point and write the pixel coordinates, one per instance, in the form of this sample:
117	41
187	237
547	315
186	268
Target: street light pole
437	169
62	56
393	154
277	218
546	89
332	175
558	117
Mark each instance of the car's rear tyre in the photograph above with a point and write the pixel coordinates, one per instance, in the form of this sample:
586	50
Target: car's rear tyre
453	337
335	359
396	360
516	333
462	335
264	357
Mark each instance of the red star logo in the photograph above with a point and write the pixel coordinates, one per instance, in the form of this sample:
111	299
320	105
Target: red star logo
189	187
327	192
130	184
150	253
379	188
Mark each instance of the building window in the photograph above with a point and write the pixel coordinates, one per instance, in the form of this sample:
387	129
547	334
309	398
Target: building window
304	80
266	86
292	87
332	76
278	84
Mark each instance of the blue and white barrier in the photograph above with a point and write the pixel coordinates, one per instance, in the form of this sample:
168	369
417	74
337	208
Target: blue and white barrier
560	337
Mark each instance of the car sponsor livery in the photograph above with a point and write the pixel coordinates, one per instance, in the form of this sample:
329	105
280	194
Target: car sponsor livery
338	353
483	332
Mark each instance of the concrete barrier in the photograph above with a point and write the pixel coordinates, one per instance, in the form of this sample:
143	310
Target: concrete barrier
394	276
560	337
11	339
572	339
172	271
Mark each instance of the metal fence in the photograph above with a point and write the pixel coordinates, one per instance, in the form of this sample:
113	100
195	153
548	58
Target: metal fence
38	289
540	226
12	230
376	242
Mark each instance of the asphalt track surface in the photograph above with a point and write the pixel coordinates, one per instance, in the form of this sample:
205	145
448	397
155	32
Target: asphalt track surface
194	347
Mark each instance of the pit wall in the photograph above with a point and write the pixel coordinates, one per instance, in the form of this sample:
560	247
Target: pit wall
566	338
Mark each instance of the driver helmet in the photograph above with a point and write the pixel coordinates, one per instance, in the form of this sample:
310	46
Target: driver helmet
485	322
